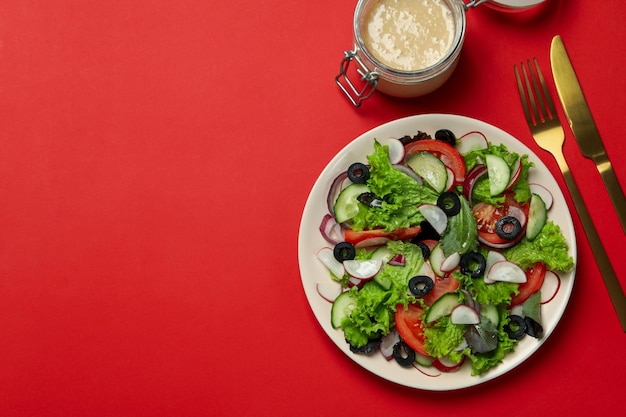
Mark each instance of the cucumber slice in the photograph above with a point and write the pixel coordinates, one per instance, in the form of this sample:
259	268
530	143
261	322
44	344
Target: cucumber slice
490	312
437	257
442	307
343	305
431	169
384	254
537	217
347	205
423	360
499	174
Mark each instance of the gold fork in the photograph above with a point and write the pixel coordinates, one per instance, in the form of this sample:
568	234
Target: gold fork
548	133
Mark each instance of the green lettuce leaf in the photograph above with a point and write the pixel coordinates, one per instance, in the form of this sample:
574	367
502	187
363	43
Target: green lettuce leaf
443	338
375	307
400	193
498	293
549	247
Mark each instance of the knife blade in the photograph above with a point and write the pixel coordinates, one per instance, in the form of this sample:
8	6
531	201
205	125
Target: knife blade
582	124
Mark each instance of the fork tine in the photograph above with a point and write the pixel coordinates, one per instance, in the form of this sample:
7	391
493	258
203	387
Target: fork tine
542	107
522	94
546	93
529	89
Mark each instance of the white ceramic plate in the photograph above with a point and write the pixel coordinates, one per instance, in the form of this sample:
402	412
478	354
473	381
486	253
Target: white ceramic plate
312	271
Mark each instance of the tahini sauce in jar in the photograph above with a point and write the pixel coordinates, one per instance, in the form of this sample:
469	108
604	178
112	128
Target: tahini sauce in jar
403	48
409	35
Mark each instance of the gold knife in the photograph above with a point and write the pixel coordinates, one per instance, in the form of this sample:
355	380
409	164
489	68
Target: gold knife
582	124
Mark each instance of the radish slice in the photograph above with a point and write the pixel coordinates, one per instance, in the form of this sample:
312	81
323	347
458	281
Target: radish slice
329	290
451	262
387	343
435	216
331	230
492	257
356	282
464	314
326	256
507	272
426	270
516	172
371	242
470	180
451	179
471	141
446	365
550	287
519	214
363	268
542	192
396	149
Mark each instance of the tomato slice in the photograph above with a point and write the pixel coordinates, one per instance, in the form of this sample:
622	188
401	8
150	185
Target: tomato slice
444	151
534	280
443	285
375	237
411	327
487	215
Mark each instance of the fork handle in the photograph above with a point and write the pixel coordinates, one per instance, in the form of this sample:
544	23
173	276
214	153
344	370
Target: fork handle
612	185
604	265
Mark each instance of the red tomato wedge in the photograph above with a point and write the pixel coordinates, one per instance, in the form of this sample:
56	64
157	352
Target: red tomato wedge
534	280
444	151
375	237
410	326
487	215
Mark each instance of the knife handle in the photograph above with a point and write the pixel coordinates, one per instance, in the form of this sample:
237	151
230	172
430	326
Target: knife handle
604	264
613	187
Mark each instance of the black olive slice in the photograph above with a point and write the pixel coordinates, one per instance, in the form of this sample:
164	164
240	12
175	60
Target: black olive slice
370	200
533	328
371	347
344	251
421	285
449	203
427	232
516	327
425	249
403	354
358	173
446	136
473	263
508	227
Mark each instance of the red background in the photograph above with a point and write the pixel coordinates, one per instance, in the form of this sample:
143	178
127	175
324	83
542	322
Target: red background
155	158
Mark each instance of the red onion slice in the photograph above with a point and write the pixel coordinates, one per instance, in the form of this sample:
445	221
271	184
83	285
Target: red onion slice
333	192
470	180
331	230
387	343
408	171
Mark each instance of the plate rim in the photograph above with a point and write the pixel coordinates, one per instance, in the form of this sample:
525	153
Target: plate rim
374	364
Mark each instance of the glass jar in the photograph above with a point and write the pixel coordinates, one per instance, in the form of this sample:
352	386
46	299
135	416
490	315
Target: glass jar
374	74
